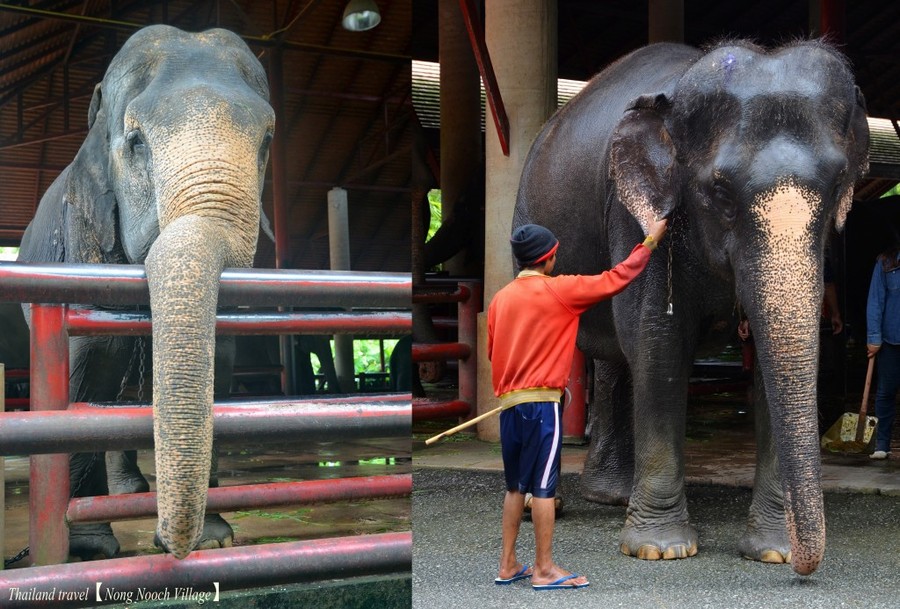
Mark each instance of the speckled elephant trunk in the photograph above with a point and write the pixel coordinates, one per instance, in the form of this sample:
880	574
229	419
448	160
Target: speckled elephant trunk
781	289
207	222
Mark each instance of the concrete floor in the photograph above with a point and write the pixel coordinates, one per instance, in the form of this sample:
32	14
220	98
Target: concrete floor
457	505
256	464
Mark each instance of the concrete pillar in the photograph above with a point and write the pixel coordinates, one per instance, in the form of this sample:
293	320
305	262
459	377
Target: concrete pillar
339	255
460	114
666	21
521	37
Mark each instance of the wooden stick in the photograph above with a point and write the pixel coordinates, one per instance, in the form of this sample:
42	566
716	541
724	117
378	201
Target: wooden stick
468	423
861	423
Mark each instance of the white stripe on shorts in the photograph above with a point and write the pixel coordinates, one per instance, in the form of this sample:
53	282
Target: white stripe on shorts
548	469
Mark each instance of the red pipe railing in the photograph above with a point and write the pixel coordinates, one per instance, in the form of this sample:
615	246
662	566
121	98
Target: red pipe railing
55	426
468	297
90	427
232	498
207	572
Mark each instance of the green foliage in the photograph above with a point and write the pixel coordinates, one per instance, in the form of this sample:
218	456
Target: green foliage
434	202
366	356
893	191
9	253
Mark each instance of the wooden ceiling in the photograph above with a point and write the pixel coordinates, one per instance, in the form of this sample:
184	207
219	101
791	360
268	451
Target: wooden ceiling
347	111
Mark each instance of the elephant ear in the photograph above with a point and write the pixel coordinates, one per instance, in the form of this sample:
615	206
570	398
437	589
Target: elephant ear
264	224
89	202
858	152
642	166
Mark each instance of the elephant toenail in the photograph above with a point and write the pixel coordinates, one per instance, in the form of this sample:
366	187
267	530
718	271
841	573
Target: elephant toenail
772	556
648	552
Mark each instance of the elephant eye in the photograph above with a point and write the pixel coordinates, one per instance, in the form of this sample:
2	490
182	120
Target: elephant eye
724	198
134	142
838	185
264	149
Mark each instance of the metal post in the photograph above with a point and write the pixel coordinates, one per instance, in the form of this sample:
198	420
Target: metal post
339	254
280	212
48	495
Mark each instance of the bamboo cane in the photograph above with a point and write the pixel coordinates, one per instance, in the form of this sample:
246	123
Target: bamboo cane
468	423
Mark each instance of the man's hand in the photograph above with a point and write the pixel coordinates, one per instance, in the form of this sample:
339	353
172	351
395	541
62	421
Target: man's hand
658	230
871	350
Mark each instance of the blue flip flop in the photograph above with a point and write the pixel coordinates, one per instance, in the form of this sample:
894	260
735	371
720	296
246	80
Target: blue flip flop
520	575
561	585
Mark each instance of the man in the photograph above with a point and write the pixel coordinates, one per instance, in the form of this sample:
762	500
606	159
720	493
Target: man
883	341
532	325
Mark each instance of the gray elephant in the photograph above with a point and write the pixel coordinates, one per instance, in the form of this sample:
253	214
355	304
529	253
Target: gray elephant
170	176
752	154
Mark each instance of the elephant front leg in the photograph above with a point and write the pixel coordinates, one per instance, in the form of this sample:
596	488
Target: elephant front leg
97	366
657	524
609	465
766	537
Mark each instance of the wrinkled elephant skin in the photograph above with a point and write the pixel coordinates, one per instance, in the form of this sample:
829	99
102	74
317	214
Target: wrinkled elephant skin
170	175
752	153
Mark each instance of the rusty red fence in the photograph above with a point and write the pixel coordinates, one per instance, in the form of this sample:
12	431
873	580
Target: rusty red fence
468	296
54	427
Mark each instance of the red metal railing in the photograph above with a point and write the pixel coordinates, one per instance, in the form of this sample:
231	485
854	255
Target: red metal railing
468	297
55	427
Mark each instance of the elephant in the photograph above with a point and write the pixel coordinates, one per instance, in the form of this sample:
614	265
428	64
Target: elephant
257	350
170	175
752	154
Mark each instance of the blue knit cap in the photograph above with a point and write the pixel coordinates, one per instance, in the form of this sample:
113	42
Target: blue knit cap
532	244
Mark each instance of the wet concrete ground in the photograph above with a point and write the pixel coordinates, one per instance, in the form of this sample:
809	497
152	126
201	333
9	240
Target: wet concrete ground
257	464
457	502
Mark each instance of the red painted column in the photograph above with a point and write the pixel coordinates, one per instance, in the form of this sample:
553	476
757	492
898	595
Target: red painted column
574	414
48	534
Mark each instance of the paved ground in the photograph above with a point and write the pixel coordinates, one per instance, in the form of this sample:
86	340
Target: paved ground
456	525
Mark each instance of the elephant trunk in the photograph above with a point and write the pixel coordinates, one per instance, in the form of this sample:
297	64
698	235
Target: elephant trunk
183	272
207	192
782	295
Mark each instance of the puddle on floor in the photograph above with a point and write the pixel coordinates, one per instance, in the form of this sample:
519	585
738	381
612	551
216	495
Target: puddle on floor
259	464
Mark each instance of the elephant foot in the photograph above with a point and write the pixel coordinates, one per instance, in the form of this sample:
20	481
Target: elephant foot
129	484
557	506
659	543
606	484
766	546
217	533
123	475
92	541
606	495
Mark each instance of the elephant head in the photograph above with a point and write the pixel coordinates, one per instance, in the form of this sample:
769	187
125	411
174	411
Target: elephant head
760	149
171	175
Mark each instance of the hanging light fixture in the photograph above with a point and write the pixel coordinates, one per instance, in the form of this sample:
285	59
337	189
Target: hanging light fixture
361	15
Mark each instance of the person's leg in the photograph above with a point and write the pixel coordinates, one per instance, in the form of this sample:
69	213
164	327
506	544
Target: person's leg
886	394
513	505
514	501
543	503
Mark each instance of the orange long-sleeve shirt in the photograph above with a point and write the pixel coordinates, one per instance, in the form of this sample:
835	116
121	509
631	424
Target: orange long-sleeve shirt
533	322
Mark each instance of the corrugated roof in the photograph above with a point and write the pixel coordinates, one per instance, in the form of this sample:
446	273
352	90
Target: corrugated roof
884	144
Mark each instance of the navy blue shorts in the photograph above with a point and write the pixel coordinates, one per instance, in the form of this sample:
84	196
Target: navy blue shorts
531	439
